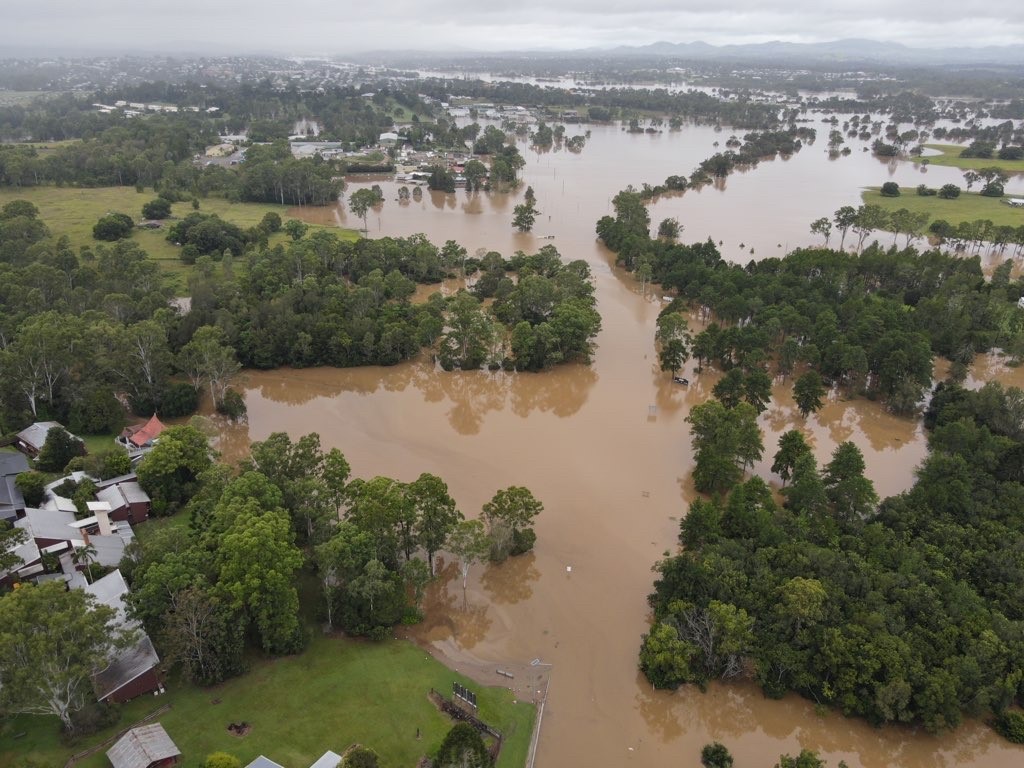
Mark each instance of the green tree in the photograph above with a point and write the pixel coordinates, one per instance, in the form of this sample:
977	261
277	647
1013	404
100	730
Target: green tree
806	759
851	494
844	218
515	508
200	635
665	657
295	229
10	539
210	361
256	565
792	446
890	189
169	472
808	391
113	226
725	441
159	208
32	486
949	192
803	601
822	227
436	515
523	216
468	542
715	755
60	448
361	201
463	747
52	639
670	229
673	336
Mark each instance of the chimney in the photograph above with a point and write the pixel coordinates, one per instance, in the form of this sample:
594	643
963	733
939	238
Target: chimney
101	510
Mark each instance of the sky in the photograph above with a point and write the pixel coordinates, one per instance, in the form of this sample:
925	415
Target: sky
335	27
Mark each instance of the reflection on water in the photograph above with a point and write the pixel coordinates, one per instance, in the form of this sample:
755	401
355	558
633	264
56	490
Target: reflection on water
607	450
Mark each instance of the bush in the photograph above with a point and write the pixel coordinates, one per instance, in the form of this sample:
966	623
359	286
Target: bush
949	192
523	541
113	226
1011	153
160	208
463	746
360	757
222	760
93	718
715	755
232	406
890	189
180	399
925	191
1010	726
32	486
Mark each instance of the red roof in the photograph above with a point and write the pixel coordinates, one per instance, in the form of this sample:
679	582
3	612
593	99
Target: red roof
147	432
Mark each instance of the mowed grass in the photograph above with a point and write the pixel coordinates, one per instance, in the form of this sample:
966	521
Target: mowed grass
951	157
970	206
73	211
337	693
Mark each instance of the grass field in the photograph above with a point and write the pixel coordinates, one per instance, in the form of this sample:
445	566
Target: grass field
72	211
951	157
337	693
967	207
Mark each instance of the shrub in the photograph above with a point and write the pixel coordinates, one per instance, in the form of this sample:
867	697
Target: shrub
925	191
1010	726
890	189
160	208
360	757
715	755
222	760
32	486
949	192
113	226
232	406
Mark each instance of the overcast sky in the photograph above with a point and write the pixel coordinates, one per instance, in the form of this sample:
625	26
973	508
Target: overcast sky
311	27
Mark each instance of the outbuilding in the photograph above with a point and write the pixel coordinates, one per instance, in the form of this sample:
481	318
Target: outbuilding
147	746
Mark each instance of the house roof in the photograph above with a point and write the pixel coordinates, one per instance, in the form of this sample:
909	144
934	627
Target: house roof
140	435
122	494
263	762
133	661
142	746
11	500
327	760
49	524
35	435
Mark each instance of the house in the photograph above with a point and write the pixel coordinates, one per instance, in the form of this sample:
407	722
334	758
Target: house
388	139
263	762
1016	202
12	503
328	760
127	501
141	437
32	439
133	670
53	530
147	746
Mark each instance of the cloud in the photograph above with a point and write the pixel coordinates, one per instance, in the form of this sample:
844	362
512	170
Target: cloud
340	26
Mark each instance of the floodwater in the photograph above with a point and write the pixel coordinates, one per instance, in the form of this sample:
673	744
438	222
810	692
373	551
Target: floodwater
607	451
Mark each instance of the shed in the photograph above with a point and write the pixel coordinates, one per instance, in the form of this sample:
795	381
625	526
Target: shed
328	759
147	746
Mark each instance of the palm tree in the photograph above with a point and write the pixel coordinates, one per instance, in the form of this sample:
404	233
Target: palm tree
84	554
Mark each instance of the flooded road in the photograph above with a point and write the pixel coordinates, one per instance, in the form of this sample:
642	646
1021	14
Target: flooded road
608	452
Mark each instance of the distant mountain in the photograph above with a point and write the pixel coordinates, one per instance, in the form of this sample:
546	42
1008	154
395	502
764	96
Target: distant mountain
851	50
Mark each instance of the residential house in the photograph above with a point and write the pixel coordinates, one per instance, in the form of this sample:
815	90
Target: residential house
147	746
140	438
12	503
32	439
132	671
127	500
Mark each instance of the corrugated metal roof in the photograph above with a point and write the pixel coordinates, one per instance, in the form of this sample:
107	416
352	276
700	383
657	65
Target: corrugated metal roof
142	746
263	762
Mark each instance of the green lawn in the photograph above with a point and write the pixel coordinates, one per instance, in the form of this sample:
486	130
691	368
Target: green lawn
336	693
970	206
951	157
72	211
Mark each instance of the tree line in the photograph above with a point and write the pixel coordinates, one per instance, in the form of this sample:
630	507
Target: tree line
904	611
868	322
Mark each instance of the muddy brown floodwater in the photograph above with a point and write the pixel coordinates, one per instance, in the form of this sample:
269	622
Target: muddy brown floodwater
607	450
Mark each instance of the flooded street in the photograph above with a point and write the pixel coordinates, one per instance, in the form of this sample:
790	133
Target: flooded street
608	452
